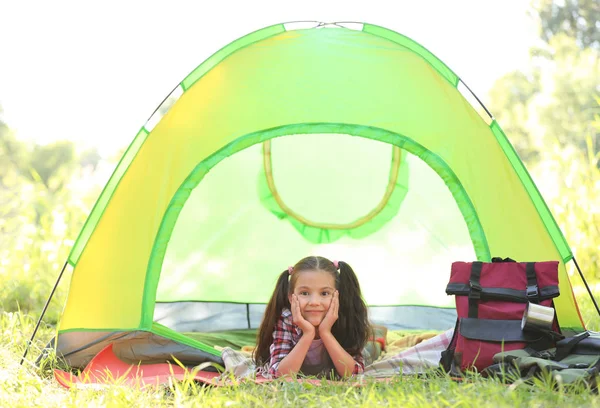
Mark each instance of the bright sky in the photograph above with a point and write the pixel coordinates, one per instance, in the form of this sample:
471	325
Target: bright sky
94	74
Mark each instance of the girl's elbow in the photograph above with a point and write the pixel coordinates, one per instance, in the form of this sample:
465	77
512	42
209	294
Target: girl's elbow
280	373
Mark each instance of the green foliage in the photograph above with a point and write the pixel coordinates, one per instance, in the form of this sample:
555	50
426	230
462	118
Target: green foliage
42	209
550	112
567	107
552	101
48	160
511	95
577	19
576	205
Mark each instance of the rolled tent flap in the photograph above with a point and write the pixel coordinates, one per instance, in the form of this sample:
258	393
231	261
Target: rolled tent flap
348	97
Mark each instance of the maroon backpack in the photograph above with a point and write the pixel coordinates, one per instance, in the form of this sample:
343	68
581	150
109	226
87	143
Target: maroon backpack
490	302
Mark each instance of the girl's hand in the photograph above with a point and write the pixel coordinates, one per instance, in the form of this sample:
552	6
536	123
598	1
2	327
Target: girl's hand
307	328
332	314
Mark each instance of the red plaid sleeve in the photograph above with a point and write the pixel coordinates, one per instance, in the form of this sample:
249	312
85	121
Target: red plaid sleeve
359	364
283	341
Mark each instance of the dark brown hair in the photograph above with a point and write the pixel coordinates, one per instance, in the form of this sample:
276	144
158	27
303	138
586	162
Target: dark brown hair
352	328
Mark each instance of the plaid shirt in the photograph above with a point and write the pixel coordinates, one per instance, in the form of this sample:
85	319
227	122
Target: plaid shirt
286	335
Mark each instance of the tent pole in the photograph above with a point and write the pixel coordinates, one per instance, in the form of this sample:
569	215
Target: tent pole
37	326
586	285
481	103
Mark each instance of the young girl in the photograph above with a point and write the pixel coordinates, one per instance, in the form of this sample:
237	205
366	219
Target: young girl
315	323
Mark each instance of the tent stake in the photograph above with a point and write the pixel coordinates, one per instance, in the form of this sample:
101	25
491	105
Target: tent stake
586	285
37	326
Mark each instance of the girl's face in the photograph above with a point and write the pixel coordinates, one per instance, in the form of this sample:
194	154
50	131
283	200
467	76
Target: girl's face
314	290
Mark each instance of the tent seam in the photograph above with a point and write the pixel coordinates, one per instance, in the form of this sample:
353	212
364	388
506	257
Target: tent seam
416	52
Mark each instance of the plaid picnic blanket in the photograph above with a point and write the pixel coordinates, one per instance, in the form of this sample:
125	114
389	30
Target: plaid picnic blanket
413	360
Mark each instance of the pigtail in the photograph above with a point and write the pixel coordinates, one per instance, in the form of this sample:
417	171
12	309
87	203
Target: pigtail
279	300
352	329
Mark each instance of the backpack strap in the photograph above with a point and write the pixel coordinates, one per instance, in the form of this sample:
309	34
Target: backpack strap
532	284
475	289
563	349
447	359
546	354
594	368
497	259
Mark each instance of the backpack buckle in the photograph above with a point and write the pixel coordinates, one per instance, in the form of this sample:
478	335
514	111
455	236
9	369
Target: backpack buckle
475	292
532	291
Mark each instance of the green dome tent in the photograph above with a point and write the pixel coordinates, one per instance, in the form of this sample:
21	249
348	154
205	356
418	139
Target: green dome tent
352	142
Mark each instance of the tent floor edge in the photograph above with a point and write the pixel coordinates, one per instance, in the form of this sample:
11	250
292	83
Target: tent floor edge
158	345
164	331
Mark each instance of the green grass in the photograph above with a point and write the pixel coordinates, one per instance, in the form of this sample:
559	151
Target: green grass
28	385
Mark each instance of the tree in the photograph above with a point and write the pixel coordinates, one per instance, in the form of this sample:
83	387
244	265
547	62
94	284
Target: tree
567	103
39	212
12	153
551	113
578	19
576	204
552	99
51	163
511	96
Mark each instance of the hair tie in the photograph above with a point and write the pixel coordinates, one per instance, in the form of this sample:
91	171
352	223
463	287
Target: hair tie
291	270
336	264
